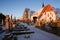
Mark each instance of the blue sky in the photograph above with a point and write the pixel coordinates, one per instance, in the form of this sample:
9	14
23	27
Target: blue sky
17	7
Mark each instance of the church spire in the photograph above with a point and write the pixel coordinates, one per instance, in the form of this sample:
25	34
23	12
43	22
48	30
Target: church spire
43	4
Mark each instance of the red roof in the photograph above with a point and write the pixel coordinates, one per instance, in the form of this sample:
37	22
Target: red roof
46	8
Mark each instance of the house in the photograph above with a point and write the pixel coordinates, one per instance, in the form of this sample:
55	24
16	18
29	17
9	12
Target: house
45	14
